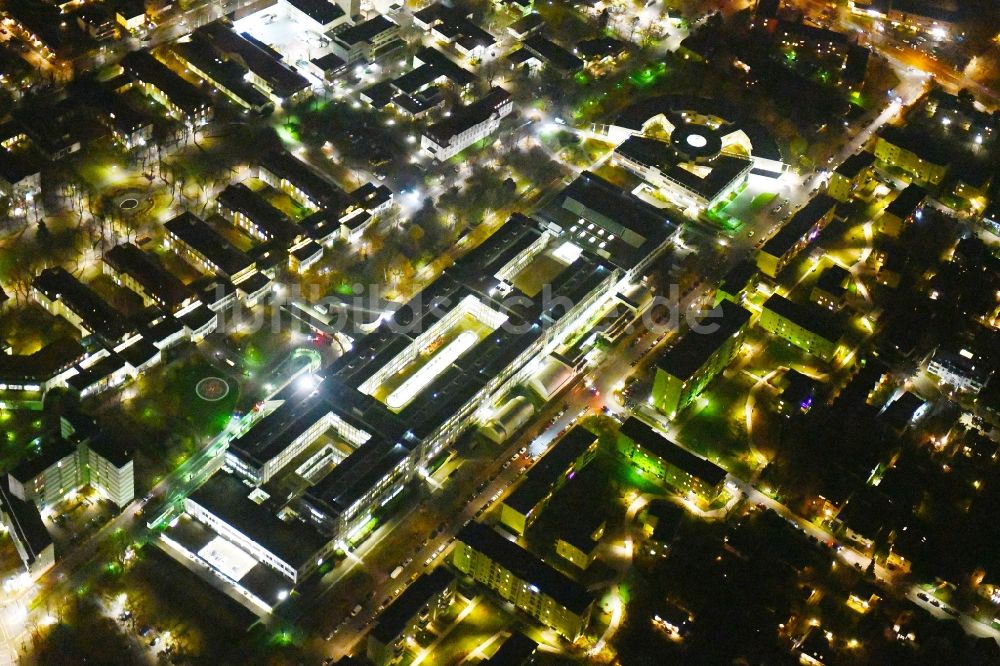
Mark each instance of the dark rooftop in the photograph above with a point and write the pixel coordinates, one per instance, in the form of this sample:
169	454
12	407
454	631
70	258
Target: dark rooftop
196	233
285	165
226	497
515	651
693	350
269	221
526	24
661	447
801	223
738	277
96	373
365	31
39	460
636	225
400	612
262	61
855	164
42	364
926	147
654	153
321	11
276	431
907	202
546	472
147	271
26	522
142	66
600	47
832	280
525	566
465	117
809	316
553	54
97	315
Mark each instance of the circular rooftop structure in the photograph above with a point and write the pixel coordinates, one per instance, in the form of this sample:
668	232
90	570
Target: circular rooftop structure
701	128
696	142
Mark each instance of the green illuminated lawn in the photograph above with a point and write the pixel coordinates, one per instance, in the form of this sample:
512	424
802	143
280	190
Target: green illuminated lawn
648	76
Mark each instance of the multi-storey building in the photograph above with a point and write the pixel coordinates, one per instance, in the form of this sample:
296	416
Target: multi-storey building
517	576
422	603
143	274
916	154
48	475
367	41
796	235
705	351
290	547
807	326
850	176
264	66
63	295
567	456
205	248
467	125
650	452
182	99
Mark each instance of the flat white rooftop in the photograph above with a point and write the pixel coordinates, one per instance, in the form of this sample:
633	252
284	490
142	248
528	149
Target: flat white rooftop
227	558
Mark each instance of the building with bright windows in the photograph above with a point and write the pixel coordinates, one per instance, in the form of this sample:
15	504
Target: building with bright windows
143	274
964	370
225	74
566	457
200	244
655	456
287	173
58	466
796	235
578	540
423	603
684	371
290	547
436	365
367	41
351	437
63	295
807	326
46	476
517	576
690	170
612	223
701	127
903	210
264	66
920	156
109	470
256	216
106	465
850	176
466	125
181	99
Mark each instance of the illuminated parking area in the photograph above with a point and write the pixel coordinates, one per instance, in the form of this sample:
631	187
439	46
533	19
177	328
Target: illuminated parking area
432	352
